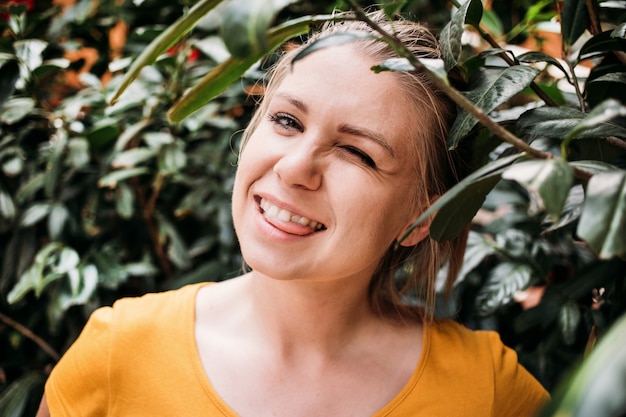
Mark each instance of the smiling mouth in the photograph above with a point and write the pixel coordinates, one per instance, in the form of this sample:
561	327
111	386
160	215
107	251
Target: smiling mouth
271	211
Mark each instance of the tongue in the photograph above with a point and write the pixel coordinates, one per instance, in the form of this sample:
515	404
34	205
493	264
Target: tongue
290	227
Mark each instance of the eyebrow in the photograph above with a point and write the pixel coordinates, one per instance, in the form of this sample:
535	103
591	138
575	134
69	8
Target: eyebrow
345	128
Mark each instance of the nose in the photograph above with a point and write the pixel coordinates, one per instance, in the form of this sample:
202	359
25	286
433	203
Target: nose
300	165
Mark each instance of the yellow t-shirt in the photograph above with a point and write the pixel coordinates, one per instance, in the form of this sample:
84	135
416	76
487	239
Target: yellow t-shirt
139	358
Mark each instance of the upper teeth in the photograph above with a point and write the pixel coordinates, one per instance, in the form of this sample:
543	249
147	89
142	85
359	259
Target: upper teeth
274	212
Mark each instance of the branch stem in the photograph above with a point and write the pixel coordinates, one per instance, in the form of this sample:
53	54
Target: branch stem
26	332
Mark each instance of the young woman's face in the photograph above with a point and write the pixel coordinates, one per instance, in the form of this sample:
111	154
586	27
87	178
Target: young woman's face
326	182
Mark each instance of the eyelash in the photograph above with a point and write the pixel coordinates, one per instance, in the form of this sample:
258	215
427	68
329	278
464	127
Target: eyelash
365	158
285	121
289	122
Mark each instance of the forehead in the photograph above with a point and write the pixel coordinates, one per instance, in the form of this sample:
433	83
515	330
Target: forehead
338	81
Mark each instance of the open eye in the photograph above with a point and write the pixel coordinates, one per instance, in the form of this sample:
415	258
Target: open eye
285	121
365	158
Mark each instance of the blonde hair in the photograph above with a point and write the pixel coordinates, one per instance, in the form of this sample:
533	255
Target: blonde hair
405	283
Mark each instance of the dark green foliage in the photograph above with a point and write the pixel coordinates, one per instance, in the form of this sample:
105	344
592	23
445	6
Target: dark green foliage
100	200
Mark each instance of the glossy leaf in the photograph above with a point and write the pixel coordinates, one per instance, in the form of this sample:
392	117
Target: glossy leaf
9	74
574	21
14	398
7	205
548	182
57	220
455	209
110	180
335	39
619	31
602	113
33	278
35	213
16	109
569	319
133	157
172	158
245	24
602	43
478	248
603	220
55	163
558	122
164	41
230	70
504	281
489	89
535	56
402	64
124	201
29	53
598	385
450	37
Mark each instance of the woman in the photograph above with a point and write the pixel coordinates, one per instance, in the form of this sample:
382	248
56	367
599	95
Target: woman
336	165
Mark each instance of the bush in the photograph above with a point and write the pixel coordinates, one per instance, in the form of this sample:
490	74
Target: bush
100	201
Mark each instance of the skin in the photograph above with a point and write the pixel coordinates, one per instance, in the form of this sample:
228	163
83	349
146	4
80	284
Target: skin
297	336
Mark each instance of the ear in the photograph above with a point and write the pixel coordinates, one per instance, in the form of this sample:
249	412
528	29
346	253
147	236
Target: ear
416	235
419	233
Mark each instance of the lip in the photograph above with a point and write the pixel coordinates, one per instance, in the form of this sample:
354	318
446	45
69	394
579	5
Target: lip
287	227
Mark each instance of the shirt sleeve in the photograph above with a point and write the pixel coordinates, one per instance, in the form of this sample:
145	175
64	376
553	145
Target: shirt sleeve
79	383
516	391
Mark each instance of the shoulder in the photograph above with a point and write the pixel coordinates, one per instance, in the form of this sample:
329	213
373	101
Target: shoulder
481	357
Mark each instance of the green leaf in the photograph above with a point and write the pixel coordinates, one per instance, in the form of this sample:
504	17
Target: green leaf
14	398
548	182
402	64
163	42
245	24
104	132
603	220
602	113
230	70
335	39
612	77
35	213
29	52
55	162
534	57
133	157
489	89
33	277
16	109
176	249
9	74
110	180
78	152
558	122
478	248
7	206
57	219
574	21
450	37
602	43
492	22
503	282
456	208
597	386
124	201
13	159
619	31
569	319
172	158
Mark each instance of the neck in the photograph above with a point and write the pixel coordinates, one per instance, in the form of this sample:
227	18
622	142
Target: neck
311	316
